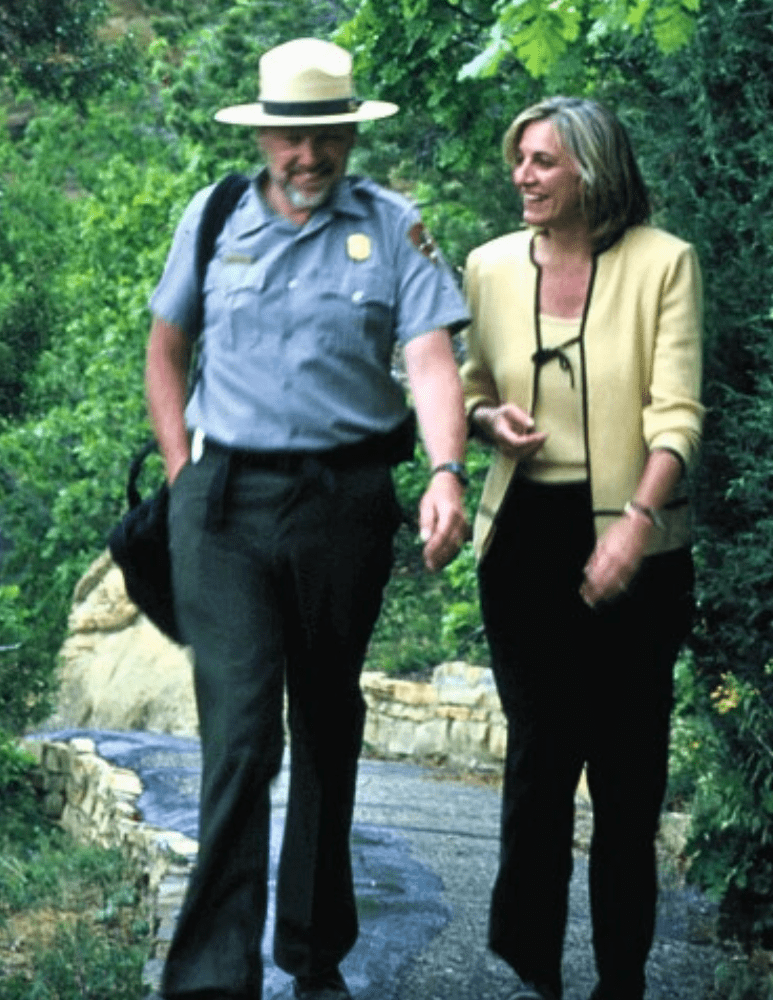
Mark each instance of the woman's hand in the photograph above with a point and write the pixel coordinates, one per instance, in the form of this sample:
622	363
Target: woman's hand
616	559
510	428
618	554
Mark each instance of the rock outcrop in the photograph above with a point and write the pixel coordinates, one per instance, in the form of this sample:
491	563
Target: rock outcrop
117	671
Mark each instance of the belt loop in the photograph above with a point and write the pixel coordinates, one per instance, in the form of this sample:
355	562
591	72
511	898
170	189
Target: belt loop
214	517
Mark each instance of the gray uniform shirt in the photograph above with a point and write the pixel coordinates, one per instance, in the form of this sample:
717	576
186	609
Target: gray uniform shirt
300	322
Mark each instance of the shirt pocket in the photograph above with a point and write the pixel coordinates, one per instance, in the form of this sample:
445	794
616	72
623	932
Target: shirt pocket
356	310
232	290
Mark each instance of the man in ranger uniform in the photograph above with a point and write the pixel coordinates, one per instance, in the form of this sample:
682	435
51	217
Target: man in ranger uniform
282	509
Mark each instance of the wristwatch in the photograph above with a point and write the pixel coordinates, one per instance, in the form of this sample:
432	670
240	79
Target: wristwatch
456	468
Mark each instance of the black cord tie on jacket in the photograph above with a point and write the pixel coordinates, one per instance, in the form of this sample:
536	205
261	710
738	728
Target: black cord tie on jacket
547	354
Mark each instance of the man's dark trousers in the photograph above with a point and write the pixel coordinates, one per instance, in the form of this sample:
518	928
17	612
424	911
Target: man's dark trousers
287	589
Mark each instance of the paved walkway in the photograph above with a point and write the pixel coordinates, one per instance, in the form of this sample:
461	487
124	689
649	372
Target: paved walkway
425	854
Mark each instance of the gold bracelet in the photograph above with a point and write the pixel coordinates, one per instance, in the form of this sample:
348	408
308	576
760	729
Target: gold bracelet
649	512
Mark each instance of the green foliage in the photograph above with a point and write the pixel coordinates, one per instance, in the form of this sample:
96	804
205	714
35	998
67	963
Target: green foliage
222	44
693	738
744	977
80	963
732	832
53	47
15	762
542	34
538	33
47	878
705	138
63	468
443	146
429	619
25	684
30	214
461	626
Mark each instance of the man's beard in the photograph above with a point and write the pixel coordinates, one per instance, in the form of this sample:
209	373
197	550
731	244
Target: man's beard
300	200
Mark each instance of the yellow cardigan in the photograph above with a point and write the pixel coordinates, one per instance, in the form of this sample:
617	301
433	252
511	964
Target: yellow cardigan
641	351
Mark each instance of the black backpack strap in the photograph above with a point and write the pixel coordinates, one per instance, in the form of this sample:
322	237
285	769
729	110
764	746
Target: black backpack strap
219	205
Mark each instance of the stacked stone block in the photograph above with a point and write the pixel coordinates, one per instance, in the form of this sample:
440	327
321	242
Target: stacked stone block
455	719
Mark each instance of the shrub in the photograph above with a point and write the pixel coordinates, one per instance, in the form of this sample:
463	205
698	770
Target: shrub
54	47
428	618
63	462
76	914
701	122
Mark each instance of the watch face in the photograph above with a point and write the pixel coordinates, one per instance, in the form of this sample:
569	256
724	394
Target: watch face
457	468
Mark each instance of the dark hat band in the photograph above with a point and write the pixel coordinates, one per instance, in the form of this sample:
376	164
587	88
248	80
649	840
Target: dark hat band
304	109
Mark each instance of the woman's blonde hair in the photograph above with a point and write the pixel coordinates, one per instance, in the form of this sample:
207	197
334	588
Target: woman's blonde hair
614	195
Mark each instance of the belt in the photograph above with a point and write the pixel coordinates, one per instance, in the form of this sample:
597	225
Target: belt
271	461
391	448
345	456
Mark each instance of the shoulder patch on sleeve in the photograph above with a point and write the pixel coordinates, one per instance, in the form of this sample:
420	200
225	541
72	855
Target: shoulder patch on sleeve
421	239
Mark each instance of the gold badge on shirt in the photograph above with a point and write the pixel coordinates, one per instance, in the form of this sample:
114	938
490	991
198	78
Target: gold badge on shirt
358	246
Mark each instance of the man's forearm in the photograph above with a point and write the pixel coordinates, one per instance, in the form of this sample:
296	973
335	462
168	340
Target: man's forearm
438	396
166	373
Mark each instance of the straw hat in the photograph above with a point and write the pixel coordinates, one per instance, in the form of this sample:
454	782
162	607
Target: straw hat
306	82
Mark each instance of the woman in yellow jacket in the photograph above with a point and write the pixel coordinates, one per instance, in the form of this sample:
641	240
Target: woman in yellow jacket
583	371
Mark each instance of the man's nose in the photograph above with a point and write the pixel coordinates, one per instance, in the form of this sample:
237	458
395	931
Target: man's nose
308	152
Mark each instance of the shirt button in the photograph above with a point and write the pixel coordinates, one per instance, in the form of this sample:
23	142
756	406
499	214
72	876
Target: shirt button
292	283
357	296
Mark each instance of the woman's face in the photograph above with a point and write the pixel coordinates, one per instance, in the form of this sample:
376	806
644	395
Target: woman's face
547	178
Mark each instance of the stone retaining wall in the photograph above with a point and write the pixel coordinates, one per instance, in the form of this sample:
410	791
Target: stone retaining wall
96	802
456	718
